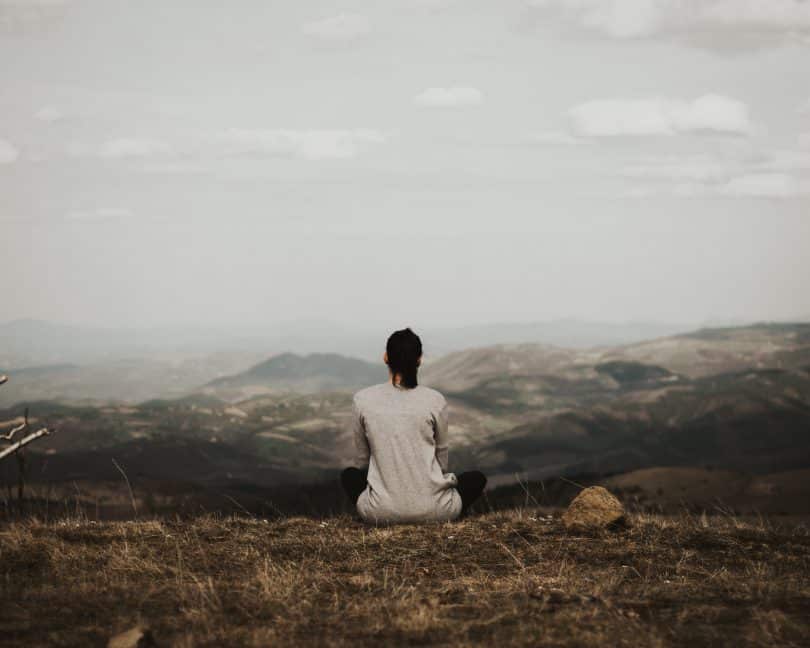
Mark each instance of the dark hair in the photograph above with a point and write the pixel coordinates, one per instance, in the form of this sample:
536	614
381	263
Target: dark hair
404	348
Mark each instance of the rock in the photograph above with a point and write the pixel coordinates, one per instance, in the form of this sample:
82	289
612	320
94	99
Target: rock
595	507
137	637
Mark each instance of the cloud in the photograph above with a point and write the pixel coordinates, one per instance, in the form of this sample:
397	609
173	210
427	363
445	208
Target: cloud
8	153
98	214
304	144
48	114
763	185
343	27
449	97
773	174
686	19
659	116
129	147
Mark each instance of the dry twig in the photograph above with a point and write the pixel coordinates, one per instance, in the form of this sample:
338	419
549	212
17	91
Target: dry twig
23	442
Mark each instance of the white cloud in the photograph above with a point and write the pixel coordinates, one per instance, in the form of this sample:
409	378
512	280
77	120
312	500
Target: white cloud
449	97
343	27
8	153
617	18
659	116
763	185
130	147
48	114
767	174
305	144
98	214
685	18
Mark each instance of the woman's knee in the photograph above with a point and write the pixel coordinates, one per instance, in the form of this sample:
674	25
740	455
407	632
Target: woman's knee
353	481
474	480
351	475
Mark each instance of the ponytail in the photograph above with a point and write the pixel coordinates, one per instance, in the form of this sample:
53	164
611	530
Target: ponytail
404	349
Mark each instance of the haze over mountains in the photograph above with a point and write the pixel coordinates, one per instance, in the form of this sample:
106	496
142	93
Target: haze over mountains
27	343
736	399
62	362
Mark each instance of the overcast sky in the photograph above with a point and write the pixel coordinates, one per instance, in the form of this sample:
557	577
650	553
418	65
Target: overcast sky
432	162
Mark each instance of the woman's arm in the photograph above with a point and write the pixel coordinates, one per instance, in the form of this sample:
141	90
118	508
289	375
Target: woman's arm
440	435
362	451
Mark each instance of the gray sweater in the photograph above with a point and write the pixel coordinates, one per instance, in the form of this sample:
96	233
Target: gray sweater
401	434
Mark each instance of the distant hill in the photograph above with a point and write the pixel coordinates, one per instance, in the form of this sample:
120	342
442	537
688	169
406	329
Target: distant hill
754	421
462	370
699	353
310	373
128	380
719	350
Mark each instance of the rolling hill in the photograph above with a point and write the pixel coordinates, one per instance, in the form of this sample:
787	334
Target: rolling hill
290	372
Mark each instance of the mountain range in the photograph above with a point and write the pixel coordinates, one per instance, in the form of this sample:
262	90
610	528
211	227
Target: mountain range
733	398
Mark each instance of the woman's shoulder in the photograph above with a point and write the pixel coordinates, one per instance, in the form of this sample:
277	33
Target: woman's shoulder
434	395
369	392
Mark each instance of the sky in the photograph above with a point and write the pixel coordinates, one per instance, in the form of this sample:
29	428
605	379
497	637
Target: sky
433	162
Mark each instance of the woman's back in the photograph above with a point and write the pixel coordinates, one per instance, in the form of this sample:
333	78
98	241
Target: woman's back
401	433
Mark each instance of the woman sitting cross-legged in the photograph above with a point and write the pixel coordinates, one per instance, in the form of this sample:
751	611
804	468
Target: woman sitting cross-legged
400	433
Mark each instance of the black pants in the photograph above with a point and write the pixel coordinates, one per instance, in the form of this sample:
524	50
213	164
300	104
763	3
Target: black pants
470	485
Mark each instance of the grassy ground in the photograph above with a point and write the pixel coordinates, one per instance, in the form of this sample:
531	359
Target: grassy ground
508	578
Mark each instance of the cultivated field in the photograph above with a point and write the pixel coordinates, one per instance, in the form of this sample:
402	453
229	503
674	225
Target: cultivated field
509	578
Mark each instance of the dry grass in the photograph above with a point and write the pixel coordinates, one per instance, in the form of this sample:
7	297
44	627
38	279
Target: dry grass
513	578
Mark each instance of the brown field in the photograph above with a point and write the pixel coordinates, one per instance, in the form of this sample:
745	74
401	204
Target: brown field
675	488
509	578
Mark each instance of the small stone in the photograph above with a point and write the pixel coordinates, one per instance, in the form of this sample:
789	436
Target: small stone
137	637
594	507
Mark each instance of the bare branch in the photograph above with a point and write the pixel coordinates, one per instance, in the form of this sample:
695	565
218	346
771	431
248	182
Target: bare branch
5	452
22	426
10	435
3	379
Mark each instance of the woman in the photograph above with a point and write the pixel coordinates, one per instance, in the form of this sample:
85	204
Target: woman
400	434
